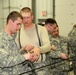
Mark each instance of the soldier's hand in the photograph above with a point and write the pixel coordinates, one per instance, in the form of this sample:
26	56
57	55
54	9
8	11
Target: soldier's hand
36	52
28	48
63	56
53	47
29	56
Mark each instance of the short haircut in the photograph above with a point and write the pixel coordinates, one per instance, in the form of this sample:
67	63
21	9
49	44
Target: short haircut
26	10
50	21
74	26
14	15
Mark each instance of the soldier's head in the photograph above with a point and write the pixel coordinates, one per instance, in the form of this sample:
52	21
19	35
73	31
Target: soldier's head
14	15
74	26
14	21
27	15
55	33
26	10
50	25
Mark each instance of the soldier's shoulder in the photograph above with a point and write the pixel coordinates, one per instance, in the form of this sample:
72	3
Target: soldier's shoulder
2	36
64	38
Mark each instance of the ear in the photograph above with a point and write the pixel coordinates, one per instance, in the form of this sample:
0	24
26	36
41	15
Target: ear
10	21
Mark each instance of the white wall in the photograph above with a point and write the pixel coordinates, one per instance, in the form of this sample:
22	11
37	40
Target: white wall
1	18
43	5
65	15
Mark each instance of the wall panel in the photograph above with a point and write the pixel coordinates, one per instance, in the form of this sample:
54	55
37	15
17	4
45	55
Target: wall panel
65	15
1	19
9	5
43	6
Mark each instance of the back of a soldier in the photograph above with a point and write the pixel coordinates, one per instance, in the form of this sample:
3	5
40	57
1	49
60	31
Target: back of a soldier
72	46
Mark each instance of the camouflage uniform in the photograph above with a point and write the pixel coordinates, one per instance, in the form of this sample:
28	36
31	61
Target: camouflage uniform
10	59
72	32
62	66
72	47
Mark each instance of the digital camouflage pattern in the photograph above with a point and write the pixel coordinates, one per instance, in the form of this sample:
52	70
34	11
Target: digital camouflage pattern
11	61
60	66
72	32
72	46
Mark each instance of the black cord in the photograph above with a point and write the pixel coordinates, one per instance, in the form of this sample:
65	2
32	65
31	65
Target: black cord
49	65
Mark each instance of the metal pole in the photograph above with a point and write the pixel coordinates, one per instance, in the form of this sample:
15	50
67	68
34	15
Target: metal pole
9	6
54	9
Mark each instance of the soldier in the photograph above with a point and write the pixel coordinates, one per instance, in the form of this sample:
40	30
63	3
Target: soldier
72	46
11	61
60	54
50	25
36	38
72	32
